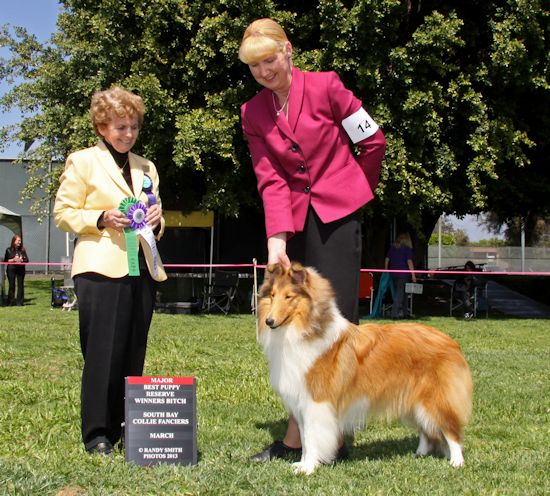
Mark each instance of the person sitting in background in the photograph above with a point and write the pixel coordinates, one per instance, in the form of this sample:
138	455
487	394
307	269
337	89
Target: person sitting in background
399	257
464	287
16	257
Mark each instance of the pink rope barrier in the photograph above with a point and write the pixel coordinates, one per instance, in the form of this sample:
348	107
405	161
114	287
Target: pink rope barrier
260	266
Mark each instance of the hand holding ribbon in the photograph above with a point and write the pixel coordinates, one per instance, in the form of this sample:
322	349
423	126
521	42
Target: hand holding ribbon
137	216
154	214
115	219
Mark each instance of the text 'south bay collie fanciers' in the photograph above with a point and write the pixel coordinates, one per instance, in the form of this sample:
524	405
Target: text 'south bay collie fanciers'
332	375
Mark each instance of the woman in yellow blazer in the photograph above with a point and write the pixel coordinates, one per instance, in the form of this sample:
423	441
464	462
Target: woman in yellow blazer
115	308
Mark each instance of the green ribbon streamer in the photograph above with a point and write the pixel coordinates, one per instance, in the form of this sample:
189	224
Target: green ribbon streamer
132	244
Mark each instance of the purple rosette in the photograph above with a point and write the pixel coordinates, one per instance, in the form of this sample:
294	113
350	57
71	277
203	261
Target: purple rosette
137	213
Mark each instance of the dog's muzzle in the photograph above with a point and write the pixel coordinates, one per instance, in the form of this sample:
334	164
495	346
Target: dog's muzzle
271	323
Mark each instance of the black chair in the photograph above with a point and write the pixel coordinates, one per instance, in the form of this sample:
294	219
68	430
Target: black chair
479	294
220	294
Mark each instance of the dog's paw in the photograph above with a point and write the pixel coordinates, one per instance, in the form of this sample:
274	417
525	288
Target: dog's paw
303	468
456	459
457	462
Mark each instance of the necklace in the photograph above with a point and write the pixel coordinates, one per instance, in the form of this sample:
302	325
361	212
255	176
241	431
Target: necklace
278	111
125	164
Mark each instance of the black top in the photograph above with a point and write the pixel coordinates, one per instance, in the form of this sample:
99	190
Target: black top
12	252
123	163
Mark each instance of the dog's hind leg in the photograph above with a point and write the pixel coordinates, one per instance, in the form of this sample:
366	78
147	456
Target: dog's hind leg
320	434
425	445
447	426
456	459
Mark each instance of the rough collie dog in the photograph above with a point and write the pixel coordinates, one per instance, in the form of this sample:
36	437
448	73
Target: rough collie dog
332	375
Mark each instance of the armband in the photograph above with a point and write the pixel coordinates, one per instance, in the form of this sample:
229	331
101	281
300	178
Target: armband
359	126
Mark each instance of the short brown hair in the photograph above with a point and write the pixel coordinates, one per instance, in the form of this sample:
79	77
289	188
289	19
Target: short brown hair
118	100
262	38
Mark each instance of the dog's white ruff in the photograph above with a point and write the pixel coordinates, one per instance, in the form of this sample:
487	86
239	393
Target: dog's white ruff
290	356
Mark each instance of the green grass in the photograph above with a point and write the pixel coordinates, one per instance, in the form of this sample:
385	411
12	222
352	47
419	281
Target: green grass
506	448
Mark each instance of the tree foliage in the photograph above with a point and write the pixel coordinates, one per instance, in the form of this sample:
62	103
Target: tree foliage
458	88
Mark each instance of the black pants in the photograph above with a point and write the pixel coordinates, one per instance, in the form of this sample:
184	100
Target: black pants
399	309
334	249
114	317
16	275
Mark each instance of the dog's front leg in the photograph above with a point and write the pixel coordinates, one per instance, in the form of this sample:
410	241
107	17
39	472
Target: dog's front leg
319	433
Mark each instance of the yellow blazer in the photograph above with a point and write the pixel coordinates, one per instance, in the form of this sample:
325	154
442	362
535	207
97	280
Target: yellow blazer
91	184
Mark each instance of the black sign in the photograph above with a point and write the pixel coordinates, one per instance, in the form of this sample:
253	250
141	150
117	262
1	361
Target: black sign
161	420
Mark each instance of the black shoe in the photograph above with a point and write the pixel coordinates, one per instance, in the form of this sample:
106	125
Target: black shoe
277	449
343	453
103	448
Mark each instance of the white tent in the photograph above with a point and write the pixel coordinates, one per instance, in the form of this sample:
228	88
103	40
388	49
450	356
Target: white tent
11	220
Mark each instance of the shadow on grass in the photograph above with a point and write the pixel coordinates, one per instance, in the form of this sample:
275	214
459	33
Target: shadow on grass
377	450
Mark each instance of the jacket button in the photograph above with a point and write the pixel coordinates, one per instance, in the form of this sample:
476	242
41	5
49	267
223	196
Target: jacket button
294	147
301	168
307	189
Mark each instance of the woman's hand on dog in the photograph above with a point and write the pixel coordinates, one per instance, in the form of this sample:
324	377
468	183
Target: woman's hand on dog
276	248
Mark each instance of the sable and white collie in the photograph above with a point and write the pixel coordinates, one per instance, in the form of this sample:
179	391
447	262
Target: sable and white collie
332	375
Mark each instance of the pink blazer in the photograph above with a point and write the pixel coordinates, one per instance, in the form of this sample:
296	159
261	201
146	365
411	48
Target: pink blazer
308	159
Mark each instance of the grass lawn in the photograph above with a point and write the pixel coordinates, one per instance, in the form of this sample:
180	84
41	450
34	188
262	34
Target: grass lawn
507	446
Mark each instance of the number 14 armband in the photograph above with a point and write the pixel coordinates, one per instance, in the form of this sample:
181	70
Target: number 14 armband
359	126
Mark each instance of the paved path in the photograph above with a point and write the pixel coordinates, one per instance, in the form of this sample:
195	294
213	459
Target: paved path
512	303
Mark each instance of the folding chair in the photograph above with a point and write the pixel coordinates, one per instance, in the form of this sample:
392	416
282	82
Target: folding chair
479	294
219	295
63	297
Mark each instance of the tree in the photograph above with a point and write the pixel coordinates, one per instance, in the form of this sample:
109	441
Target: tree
452	84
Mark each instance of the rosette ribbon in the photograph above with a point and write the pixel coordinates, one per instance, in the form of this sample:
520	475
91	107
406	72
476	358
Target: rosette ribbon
148	190
136	211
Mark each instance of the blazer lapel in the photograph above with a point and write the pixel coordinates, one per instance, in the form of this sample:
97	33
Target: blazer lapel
108	163
136	172
296	99
295	102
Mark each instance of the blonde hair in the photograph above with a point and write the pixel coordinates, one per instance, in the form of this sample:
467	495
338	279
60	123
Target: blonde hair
118	100
404	239
262	38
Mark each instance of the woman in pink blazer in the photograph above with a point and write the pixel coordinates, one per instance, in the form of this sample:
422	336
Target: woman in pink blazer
300	130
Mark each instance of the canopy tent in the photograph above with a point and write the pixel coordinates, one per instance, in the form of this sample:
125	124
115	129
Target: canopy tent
176	219
11	220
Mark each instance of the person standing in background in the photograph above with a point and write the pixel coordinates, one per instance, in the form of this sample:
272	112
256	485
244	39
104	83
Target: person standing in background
16	257
301	129
400	256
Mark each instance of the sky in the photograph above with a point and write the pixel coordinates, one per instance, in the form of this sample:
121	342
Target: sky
39	18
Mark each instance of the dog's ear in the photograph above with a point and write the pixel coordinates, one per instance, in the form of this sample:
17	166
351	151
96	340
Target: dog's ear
298	273
272	271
